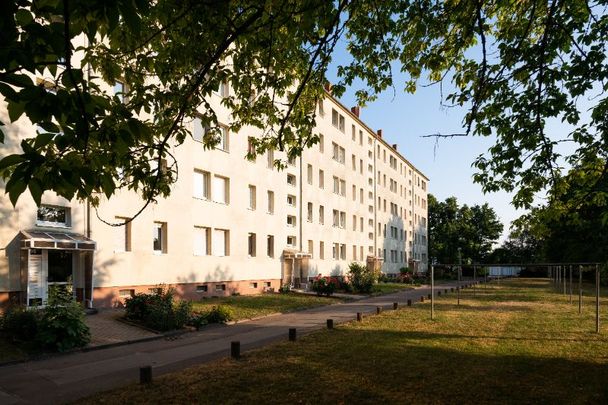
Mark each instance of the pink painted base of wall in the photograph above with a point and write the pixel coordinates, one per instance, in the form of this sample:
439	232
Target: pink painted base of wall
114	296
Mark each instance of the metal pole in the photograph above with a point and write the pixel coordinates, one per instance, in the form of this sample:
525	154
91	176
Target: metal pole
580	288
474	278
570	284
459	269
432	292
597	299
565	278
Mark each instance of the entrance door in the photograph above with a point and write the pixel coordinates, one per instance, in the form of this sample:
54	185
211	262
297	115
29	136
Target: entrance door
60	269
36	277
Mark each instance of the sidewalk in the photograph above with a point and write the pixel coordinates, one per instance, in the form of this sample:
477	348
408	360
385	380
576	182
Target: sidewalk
67	378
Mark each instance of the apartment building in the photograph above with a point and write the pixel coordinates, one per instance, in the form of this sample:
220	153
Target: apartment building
230	225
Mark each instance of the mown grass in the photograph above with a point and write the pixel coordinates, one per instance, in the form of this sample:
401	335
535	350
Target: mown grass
253	306
388	288
517	342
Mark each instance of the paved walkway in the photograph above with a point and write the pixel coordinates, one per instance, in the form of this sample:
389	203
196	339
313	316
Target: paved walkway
65	378
106	329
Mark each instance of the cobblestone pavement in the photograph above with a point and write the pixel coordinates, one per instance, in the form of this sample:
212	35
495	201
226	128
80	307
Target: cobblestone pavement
107	329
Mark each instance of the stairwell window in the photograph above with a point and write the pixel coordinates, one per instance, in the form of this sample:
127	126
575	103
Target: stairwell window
159	237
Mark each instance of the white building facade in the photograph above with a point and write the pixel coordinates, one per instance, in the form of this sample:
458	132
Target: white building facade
230	225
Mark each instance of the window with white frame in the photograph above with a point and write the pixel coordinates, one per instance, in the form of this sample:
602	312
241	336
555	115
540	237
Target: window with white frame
224	139
53	216
321	109
291	241
270	158
270	205
321	250
343	251
309	173
354	133
221	242
201	184
336	185
220	189
343	188
291	220
291	200
198	131
342	220
291	179
202	241
336	218
122	236
251	245
270	246
120	90
321	214
159	237
321	143
321	179
309	212
310	247
252	197
335	251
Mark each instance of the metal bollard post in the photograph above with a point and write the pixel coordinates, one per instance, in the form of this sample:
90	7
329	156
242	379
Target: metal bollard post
422	298
378	310
330	324
145	375
292	334
429	296
235	350
409	303
395	305
359	317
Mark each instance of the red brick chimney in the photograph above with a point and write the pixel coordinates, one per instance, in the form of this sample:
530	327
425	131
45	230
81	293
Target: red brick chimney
355	110
379	132
395	146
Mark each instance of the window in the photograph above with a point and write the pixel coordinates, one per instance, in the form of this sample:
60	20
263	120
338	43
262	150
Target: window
322	250
354	192
354	222
342	220
336	185
220	287
336	218
126	293
321	214
291	240
250	149
309	173
223	141
253	285
321	110
309	212
354	133
310	247
223	89
361	253
361	224
291	220
251	248
221	189
159	236
291	161
354	252
291	180
120	91
338	153
341	125
342	188
335	251
51	215
221	242
202	241
270	158
335	118
201	184
122	237
361	193
360	166
252	197
354	162
198	132
343	252
291	200
361	143
321	179
321	143
270	246
270	206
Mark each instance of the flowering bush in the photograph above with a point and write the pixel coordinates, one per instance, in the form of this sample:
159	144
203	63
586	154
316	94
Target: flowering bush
324	285
362	278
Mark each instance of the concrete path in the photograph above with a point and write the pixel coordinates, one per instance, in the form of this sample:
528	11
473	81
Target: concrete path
66	378
106	329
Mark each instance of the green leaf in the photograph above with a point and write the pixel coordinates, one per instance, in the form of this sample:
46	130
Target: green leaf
15	110
15	189
10	160
36	191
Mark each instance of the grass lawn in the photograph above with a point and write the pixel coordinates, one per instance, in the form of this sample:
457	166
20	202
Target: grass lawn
514	342
252	306
388	288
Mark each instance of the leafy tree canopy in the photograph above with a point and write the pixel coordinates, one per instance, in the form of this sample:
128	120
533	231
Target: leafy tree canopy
461	230
515	65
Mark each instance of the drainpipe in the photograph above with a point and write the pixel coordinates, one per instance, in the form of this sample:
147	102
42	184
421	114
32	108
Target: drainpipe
301	206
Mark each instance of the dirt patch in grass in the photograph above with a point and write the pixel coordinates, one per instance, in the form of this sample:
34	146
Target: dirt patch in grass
517	342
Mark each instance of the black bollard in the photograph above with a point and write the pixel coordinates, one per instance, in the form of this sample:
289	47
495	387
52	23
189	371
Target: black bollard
235	350
292	334
145	375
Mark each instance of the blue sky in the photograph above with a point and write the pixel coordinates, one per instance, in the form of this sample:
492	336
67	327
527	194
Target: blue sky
404	118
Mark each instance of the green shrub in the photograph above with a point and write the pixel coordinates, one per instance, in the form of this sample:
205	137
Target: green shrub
62	326
20	325
219	314
285	289
158	310
198	320
362	278
324	285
